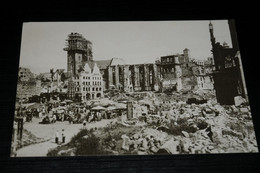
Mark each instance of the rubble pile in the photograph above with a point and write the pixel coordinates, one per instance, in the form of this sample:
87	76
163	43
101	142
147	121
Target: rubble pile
148	141
120	96
204	94
162	124
179	127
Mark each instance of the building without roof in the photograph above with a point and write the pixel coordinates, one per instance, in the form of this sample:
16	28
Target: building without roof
129	78
228	74
114	72
169	70
172	72
28	85
79	51
85	80
25	74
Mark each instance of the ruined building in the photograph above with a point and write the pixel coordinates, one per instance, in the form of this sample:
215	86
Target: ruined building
114	72
181	72
186	63
202	72
129	78
169	73
27	85
79	51
228	75
25	74
85	80
169	70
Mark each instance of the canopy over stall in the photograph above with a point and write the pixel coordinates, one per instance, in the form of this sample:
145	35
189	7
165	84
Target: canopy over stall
97	108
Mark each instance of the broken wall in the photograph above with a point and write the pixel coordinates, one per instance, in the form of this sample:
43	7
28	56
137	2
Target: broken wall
28	89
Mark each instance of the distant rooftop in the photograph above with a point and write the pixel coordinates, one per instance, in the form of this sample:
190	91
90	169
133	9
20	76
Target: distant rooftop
117	61
103	64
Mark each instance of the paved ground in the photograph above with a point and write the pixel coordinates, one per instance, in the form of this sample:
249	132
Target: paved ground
47	131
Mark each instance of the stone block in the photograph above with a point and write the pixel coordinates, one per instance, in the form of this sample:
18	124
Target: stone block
125	143
145	144
185	134
170	146
216	135
239	100
244	110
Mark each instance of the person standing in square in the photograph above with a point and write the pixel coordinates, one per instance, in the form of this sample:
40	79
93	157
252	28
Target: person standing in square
57	137
84	124
63	136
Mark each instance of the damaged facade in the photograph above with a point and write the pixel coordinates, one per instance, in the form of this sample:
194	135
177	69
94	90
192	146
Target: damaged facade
181	72
202	74
228	75
79	51
53	81
129	78
169	69
24	74
85	80
169	73
28	85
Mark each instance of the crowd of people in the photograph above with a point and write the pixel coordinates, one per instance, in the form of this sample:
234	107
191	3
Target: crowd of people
71	112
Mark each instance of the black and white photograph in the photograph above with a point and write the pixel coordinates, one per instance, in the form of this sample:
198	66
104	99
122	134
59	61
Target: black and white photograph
131	88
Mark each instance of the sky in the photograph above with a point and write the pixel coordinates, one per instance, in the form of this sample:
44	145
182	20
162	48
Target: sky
135	42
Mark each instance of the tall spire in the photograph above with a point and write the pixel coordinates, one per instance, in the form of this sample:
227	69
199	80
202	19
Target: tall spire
212	38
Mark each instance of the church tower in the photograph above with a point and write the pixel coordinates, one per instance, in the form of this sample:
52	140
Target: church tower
79	51
211	31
